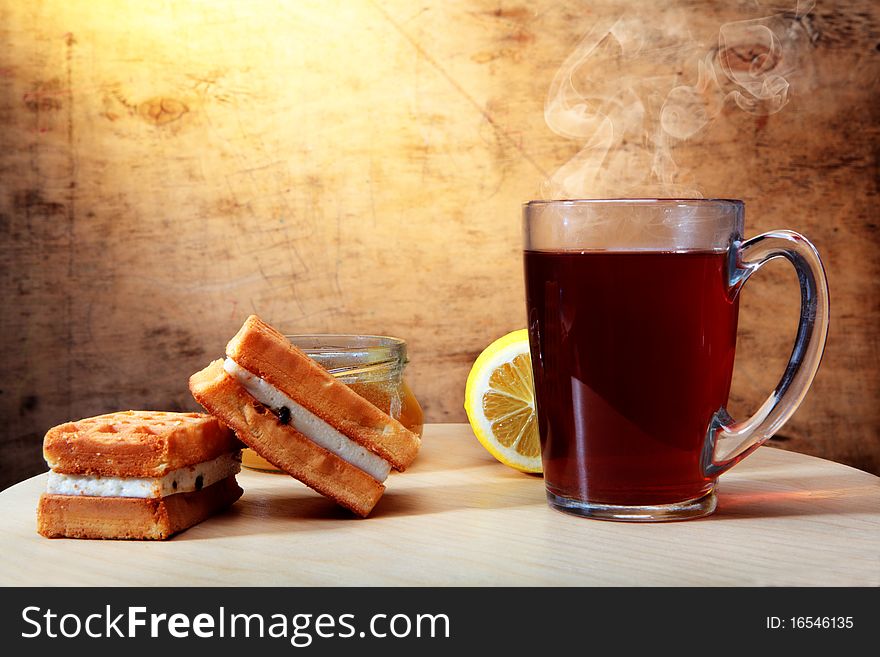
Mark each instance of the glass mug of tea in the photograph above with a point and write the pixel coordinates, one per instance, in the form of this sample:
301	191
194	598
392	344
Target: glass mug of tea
632	317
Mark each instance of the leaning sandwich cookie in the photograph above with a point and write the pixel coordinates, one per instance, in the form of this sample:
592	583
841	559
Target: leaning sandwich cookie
137	475
297	416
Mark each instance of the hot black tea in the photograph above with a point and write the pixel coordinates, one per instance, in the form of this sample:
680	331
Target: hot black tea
632	354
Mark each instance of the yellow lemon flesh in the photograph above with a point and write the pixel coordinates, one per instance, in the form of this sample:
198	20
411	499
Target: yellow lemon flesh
499	399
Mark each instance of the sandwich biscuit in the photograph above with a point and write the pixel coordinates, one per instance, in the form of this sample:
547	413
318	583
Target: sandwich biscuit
137	475
297	416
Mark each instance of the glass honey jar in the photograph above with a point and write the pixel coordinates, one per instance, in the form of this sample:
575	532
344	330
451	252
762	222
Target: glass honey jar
371	365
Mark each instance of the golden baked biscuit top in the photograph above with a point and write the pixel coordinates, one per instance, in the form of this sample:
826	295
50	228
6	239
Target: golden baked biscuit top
136	443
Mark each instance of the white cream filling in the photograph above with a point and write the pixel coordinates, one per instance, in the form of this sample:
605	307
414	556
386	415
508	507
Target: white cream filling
309	424
183	480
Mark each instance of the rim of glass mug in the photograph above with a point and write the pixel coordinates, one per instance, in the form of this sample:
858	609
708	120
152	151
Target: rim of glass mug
636	224
646	199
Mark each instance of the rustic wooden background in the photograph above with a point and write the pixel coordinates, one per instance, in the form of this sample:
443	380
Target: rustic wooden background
359	166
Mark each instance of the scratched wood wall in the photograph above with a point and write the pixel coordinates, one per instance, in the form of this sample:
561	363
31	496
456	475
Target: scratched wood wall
359	166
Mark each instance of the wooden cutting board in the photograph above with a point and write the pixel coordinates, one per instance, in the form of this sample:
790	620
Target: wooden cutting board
458	517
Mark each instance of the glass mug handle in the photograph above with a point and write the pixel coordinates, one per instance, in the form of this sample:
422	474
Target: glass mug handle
727	441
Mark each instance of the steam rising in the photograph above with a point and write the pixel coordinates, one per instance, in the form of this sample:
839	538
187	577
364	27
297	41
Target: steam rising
629	121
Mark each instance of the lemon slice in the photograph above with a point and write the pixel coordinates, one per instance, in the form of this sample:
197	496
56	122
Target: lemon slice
499	399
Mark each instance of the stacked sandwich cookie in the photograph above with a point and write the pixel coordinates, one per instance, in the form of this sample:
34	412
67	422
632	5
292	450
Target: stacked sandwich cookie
297	416
137	475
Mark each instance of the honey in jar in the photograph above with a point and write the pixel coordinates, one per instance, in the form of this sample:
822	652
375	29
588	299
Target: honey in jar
371	365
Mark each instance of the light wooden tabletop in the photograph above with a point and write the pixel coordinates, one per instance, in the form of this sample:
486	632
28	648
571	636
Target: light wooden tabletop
458	517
